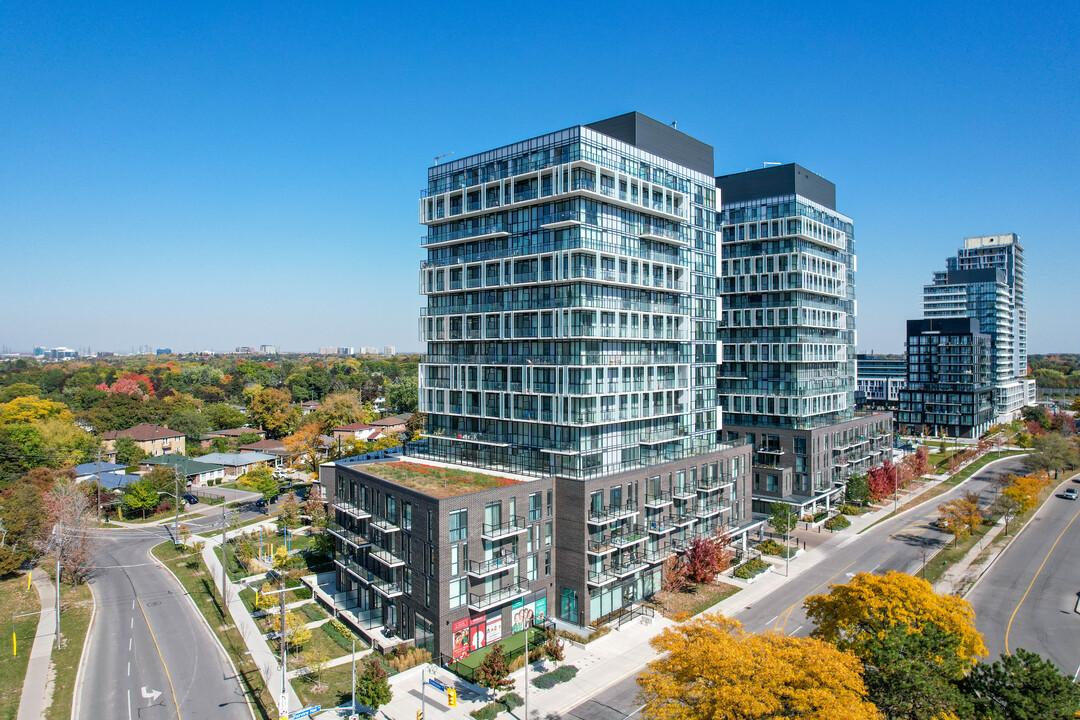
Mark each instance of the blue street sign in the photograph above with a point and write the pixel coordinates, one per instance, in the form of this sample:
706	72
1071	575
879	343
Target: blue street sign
436	684
306	711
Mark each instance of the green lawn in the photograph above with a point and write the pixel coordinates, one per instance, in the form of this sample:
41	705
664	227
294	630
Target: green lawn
76	607
513	646
184	564
16	599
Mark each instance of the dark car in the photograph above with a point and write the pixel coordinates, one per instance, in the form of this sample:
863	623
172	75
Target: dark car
261	502
191	499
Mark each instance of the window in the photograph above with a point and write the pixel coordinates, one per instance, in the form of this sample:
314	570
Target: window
406	515
547	534
531	568
547	563
549	503
534	507
455	559
457	592
459	525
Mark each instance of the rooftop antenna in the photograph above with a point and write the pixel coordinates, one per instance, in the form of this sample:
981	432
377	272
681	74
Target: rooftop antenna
675	124
439	157
770	164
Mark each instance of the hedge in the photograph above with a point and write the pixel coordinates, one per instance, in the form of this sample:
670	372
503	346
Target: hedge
558	675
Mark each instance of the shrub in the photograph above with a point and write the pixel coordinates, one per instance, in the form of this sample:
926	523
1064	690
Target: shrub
821	516
340	627
556	676
751	568
535	653
512	701
837	522
488	712
584	639
402	658
772	547
850	510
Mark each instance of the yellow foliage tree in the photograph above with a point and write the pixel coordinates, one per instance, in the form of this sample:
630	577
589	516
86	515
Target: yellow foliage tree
296	634
710	668
30	409
962	516
854	616
304	446
264	601
1024	490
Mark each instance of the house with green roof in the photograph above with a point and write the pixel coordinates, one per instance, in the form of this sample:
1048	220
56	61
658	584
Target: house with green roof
194	472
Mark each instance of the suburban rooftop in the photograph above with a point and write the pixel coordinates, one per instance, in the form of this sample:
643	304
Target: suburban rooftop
438	482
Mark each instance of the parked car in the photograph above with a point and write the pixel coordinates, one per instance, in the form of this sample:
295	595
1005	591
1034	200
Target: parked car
1070	493
191	499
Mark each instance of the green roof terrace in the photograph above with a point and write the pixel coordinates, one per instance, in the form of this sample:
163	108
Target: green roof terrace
437	482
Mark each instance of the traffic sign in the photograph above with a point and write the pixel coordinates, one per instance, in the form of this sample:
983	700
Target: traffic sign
436	684
310	710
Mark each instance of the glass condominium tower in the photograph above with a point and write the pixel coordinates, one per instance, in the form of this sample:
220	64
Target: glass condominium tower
571	302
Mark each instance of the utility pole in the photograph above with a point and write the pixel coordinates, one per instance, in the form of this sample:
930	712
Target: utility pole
176	503
224	578
527	629
59	537
99	484
284	707
352	690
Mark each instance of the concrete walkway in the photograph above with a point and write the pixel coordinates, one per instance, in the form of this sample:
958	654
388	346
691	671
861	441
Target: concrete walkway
957	578
32	703
265	659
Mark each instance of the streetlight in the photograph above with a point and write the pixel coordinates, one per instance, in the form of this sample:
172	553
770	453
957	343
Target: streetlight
283	704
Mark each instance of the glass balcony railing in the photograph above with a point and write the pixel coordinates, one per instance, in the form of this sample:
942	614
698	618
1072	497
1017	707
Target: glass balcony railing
501	596
350	536
497	531
483	568
386	557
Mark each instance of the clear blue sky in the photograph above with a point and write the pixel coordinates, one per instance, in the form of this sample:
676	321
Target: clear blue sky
206	177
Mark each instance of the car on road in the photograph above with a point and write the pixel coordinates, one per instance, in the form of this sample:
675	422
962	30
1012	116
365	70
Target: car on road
191	499
1070	493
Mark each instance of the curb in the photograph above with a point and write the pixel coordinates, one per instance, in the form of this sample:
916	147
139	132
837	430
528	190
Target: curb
195	608
1005	549
76	698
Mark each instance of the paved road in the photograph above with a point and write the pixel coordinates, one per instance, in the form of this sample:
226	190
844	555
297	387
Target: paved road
147	635
1028	597
900	543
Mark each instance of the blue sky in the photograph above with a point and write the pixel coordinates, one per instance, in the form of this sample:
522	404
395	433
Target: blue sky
202	177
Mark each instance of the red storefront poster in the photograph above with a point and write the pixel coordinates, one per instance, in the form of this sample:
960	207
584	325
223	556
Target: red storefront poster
461	638
477	633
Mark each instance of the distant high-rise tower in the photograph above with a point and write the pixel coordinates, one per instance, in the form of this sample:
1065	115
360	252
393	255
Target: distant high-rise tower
985	281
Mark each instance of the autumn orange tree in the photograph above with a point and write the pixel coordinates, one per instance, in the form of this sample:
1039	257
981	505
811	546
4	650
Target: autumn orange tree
915	644
962	516
1024	490
710	668
304	446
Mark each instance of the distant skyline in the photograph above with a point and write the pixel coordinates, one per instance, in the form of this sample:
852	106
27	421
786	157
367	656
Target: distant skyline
203	177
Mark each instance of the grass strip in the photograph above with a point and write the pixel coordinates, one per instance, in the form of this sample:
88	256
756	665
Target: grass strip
199	588
16	600
76	608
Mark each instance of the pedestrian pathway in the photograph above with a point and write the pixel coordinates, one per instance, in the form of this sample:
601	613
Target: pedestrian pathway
265	659
957	578
37	683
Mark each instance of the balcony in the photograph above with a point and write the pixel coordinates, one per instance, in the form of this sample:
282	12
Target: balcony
353	567
387	588
599	578
687	491
611	513
658	555
485	601
705	510
383	524
350	536
683	519
352	509
499	531
600	546
658	500
494	566
661	526
386	557
628	535
629	566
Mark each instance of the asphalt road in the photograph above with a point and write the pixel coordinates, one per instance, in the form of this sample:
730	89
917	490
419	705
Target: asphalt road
901	543
1028	597
149	654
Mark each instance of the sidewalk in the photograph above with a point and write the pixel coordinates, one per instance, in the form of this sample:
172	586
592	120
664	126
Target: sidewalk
956	576
265	659
38	678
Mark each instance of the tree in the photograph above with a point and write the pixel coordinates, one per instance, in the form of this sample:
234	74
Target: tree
338	409
141	496
305	446
261	481
317	660
858	489
263	599
67	443
961	516
188	421
920	462
1051	453
704	560
19	389
494	671
290	513
29	409
272	409
783	519
1024	490
402	395
223	416
68	514
915	676
709	668
20	515
372	685
296	635
676	579
1022	686
415	425
10	562
852	616
554	648
128	451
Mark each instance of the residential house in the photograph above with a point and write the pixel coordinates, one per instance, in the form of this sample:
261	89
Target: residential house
392	424
91	471
154	440
231	435
358	431
194	472
236	464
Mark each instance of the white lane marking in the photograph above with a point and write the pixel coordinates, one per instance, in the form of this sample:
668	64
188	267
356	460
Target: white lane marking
129	644
869	571
795	631
129	668
132	603
132	625
129	703
770	622
1075	674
